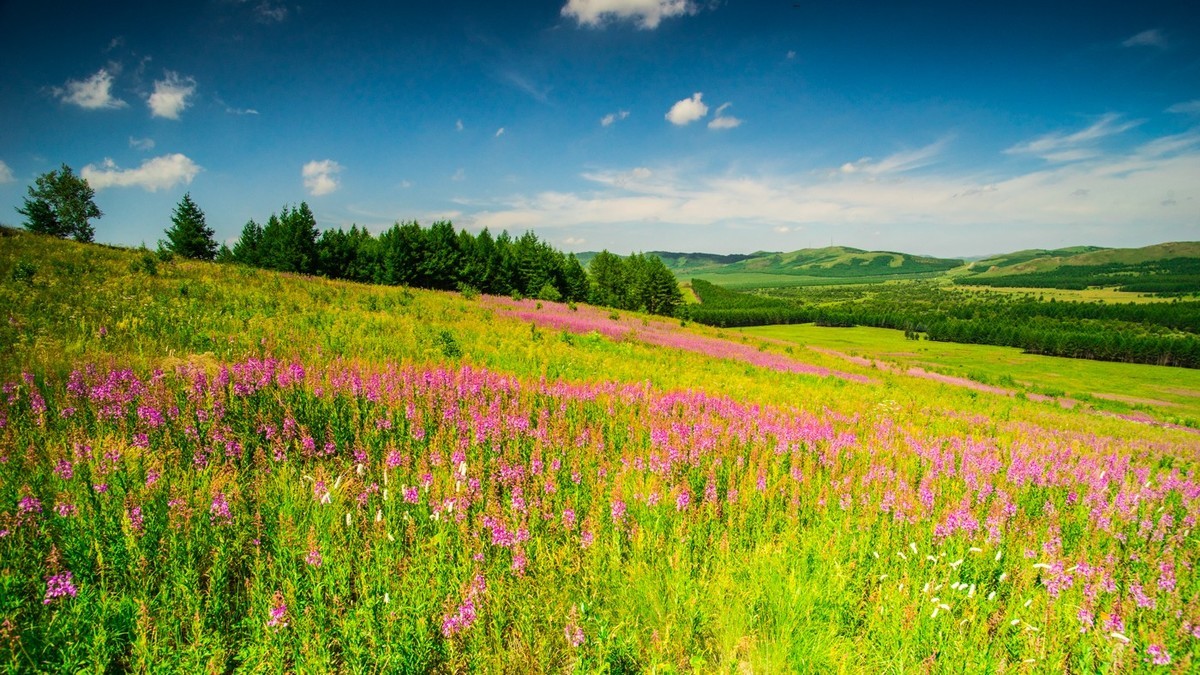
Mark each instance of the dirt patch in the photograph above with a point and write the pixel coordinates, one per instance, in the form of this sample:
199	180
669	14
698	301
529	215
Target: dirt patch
1183	392
1133	400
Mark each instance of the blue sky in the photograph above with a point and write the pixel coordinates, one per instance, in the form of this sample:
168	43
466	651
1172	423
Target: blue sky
940	128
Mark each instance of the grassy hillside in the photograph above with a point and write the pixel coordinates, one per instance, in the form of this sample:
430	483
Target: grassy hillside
207	468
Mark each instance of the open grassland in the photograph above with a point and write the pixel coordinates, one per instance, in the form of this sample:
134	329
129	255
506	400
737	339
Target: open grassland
205	468
1106	295
1166	394
745	281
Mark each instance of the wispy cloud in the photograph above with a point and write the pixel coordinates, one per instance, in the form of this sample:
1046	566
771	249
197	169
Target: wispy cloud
521	82
6	174
899	162
458	126
1070	147
647	14
171	95
613	117
1135	184
159	173
499	132
320	177
722	121
144	144
1186	107
687	111
94	93
1147	38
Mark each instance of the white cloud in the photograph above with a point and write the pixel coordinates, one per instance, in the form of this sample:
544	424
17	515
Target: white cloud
1186	107
240	111
1061	147
6	174
1103	199
155	174
646	13
499	132
269	12
171	95
405	184
459	175
94	93
1147	38
574	241
320	177
722	121
687	111
458	126
141	143
611	118
791	54
899	162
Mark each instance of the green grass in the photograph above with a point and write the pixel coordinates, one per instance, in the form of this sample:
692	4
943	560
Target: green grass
1167	394
245	471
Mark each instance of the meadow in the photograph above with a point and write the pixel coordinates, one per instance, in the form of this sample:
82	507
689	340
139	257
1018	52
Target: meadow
1169	395
211	468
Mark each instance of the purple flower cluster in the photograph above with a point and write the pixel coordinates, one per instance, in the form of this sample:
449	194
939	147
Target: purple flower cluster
59	586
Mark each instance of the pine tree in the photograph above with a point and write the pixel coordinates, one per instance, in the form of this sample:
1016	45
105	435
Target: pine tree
61	205
189	235
249	247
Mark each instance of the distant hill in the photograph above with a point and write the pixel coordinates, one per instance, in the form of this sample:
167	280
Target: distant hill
1173	267
833	261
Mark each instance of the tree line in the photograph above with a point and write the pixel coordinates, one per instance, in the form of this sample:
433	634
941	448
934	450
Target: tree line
1166	333
438	257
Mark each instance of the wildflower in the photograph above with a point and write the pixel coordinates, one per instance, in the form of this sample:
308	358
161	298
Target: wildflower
1086	620
278	618
314	557
64	510
58	586
64	469
574	634
682	501
30	504
618	511
218	510
568	518
135	519
1158	655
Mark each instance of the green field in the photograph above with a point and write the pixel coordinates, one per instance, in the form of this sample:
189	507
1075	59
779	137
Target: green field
213	468
1167	394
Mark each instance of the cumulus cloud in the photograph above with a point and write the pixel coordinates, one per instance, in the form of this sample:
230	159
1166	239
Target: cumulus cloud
159	173
1147	38
613	117
6	174
320	177
171	95
687	111
1064	147
647	14
94	93
722	121
141	143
